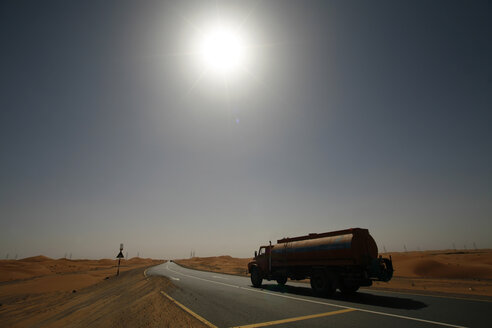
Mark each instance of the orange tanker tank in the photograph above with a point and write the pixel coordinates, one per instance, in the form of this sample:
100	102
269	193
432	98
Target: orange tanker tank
345	260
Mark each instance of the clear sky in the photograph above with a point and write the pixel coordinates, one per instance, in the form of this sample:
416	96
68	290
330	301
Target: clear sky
373	114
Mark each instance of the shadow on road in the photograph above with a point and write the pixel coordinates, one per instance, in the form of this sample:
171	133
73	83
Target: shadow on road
359	297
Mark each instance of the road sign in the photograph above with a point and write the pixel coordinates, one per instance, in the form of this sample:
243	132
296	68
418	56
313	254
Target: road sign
119	257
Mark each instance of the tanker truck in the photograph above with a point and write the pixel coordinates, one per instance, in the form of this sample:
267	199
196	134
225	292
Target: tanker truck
344	260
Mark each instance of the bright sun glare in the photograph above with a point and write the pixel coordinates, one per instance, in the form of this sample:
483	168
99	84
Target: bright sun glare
222	51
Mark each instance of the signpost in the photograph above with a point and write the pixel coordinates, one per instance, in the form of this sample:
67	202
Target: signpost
119	257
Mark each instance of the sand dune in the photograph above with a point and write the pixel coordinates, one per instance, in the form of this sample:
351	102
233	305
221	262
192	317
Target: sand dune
40	291
39	258
223	264
444	264
128	300
44	273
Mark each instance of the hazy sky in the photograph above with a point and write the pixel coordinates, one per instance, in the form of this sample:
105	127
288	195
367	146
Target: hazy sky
373	114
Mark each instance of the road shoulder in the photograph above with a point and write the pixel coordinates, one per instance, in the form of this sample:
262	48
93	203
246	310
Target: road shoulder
129	300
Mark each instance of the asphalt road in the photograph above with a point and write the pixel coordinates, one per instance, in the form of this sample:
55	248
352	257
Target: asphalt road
231	301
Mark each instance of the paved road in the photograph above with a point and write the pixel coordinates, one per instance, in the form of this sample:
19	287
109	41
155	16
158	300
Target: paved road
230	301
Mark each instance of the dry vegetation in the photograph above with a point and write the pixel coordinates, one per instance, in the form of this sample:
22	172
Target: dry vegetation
456	272
40	291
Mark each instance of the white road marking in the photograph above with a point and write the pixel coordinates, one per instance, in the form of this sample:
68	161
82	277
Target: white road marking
173	278
429	295
319	302
220	277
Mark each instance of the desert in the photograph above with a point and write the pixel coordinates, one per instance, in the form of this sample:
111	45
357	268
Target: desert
46	292
447	272
79	293
338	130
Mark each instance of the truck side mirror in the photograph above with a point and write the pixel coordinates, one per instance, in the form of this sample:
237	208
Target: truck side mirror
256	253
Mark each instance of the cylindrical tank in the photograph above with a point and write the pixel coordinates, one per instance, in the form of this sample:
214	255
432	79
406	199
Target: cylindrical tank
344	247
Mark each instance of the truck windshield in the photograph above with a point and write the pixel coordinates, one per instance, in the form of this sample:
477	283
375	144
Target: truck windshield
262	251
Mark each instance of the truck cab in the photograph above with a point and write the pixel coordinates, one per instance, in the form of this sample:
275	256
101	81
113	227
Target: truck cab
262	258
260	267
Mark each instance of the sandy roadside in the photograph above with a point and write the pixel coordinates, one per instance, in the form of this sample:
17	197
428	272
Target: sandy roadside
129	300
443	272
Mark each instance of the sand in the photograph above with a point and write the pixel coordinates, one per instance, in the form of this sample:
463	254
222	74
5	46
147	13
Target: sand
82	293
444	264
221	264
42	274
444	271
86	293
464	272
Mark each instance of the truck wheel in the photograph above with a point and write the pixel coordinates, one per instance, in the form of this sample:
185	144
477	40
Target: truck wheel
349	289
282	281
321	285
256	278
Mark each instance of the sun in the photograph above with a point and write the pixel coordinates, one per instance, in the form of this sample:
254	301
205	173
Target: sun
222	50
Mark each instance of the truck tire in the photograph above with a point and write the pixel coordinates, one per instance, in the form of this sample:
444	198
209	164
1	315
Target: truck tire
349	289
321	284
282	281
256	278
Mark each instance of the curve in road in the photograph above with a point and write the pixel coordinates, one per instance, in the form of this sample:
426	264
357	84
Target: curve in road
231	301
